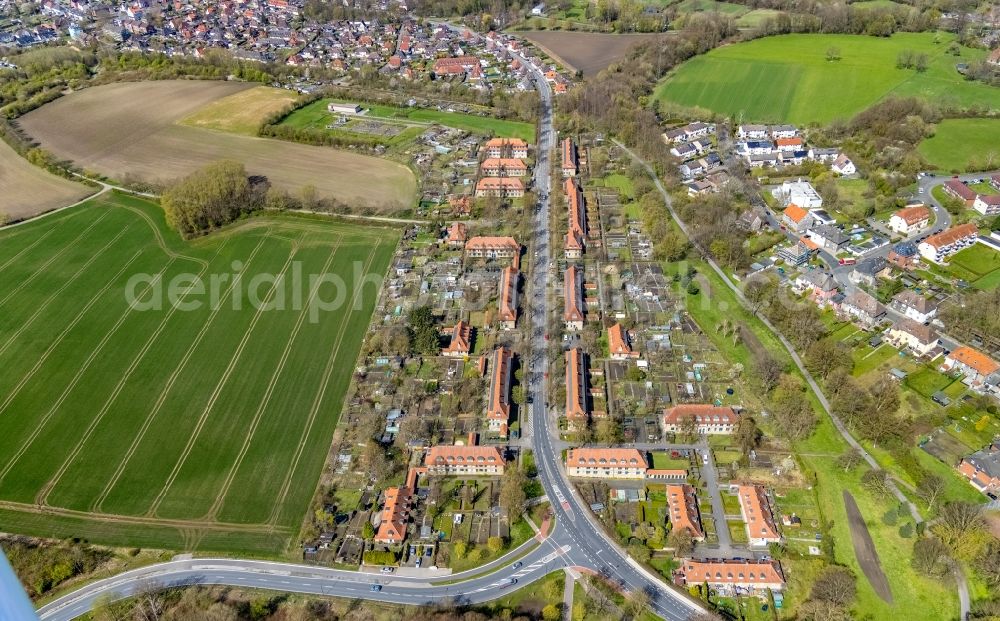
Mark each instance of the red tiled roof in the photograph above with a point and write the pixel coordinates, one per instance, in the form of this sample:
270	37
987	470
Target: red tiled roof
757	513
573	294
795	213
444	454
703	413
461	339
974	359
914	214
576	383
749	573
683	508
952	235
498	407
618	341
605	457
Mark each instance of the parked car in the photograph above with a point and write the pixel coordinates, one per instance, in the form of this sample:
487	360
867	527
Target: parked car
387	570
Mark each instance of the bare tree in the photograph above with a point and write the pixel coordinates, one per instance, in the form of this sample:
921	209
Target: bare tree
850	459
835	584
930	488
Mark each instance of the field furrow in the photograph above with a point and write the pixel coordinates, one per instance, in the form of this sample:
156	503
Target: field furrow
108	404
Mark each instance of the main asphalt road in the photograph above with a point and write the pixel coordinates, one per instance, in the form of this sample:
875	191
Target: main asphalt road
576	542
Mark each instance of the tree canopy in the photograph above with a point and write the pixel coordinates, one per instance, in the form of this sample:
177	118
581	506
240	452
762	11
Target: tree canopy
208	198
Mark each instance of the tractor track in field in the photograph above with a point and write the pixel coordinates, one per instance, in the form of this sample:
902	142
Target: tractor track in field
266	399
111	518
318	401
43	494
67	390
27	281
221	384
72	324
162	397
160	241
55	294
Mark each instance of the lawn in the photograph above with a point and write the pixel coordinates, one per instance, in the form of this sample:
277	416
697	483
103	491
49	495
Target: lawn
788	78
979	259
663	461
316	116
922	598
242	112
927	381
867	359
200	425
875	4
731	503
738	531
756	17
710	6
959	143
622	183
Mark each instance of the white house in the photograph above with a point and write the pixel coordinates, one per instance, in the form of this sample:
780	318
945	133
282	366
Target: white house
753	132
938	247
914	306
908	334
910	220
987	204
800	192
843	166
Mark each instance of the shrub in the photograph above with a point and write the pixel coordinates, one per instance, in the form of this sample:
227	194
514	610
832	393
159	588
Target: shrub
380	557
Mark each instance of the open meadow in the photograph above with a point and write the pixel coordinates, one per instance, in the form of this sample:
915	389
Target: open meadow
27	190
589	52
789	79
199	421
959	143
114	131
242	112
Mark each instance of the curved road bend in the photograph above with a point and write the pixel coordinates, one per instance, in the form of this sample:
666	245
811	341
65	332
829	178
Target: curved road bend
575	542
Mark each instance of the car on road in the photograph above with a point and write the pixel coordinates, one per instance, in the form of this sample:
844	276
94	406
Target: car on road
508	582
387	570
376	588
518	564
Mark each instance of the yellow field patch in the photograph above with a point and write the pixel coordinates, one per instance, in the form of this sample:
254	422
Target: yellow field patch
242	112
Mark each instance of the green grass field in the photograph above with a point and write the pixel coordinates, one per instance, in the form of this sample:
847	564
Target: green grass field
316	116
979	259
199	425
788	79
708	6
756	17
958	143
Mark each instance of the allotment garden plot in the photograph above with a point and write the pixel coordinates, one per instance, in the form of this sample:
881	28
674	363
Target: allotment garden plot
202	424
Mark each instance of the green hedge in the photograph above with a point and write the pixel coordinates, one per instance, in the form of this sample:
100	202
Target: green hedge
378	557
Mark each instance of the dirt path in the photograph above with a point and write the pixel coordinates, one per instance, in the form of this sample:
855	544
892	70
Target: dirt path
864	549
